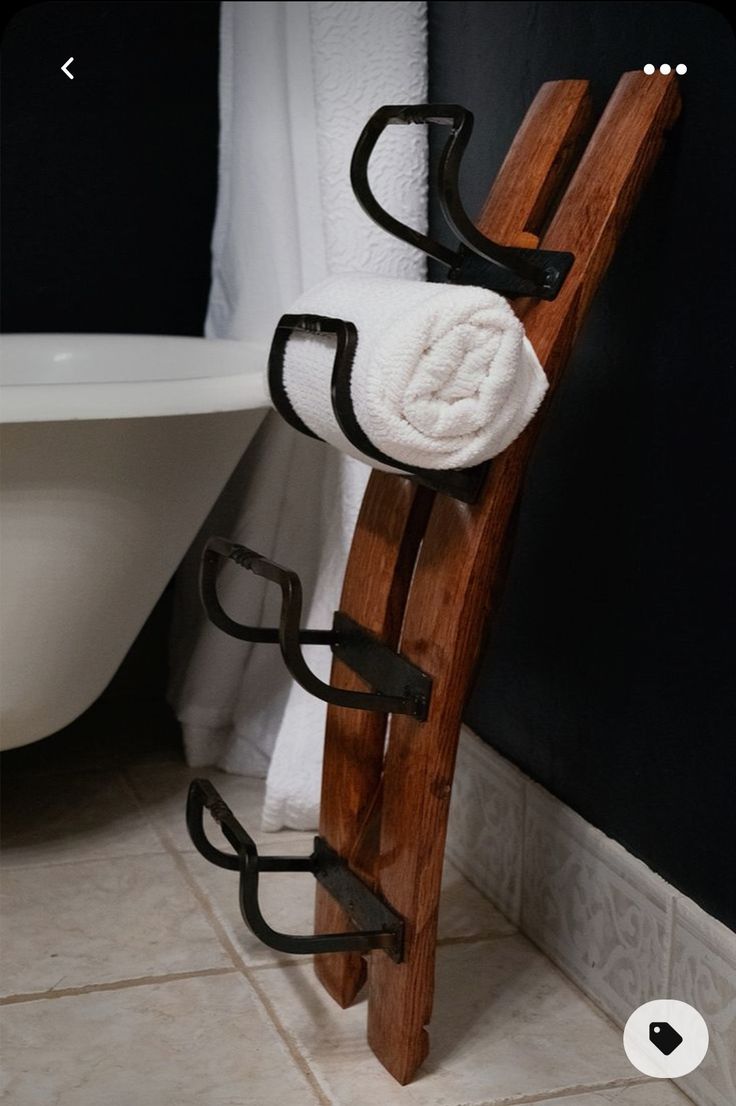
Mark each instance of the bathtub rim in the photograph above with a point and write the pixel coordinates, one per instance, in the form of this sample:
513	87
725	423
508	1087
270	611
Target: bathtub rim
236	381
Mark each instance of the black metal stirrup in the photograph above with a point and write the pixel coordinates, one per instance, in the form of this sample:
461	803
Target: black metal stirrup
402	688
462	484
509	270
378	926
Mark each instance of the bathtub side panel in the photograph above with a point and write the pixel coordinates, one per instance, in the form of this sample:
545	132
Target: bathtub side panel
96	516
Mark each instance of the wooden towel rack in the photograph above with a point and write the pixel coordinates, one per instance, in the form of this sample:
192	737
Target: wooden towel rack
424	575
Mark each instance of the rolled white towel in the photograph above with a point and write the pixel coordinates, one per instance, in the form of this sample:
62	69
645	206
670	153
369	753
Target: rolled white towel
443	377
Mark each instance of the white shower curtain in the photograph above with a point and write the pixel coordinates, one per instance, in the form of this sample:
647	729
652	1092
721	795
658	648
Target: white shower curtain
297	83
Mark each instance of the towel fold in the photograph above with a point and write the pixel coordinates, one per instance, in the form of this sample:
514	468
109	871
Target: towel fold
443	378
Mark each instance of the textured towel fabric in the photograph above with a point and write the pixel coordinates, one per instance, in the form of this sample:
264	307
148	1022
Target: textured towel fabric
443	378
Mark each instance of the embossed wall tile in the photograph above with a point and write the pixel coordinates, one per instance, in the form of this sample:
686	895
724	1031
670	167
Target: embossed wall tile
703	973
486	823
596	910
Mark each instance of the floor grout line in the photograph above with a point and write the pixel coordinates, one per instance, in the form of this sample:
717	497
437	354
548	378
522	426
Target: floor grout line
130	789
288	965
443	942
571	1091
289	1041
93	859
475	938
240	966
113	985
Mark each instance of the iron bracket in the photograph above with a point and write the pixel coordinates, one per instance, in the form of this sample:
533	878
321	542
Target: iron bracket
509	270
400	687
377	925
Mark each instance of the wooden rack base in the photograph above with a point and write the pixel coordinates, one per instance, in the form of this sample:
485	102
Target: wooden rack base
425	572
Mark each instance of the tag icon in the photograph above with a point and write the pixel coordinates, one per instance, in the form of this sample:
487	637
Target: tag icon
664	1037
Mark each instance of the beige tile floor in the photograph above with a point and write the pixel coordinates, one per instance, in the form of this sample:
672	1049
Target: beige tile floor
127	977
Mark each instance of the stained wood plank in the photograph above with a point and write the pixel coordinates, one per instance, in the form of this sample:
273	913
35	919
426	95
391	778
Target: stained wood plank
460	571
392	522
390	525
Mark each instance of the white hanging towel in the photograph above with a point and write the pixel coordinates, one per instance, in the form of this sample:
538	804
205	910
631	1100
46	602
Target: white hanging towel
297	83
443	375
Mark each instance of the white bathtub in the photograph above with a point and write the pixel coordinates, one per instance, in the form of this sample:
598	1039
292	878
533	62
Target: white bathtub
114	449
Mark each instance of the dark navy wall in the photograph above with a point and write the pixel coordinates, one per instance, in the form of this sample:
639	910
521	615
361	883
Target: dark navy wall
608	675
109	181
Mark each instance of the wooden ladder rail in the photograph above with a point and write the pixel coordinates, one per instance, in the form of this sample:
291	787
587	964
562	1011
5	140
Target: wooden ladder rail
460	568
391	525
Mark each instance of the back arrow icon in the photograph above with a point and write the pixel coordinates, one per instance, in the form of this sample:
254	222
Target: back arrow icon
65	68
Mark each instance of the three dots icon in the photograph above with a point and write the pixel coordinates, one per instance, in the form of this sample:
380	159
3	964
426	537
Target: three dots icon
665	69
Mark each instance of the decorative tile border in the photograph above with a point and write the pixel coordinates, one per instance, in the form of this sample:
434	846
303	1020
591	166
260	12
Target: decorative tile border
703	973
488	793
596	911
615	927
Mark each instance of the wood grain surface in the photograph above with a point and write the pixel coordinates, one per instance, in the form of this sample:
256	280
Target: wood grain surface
392	523
460	569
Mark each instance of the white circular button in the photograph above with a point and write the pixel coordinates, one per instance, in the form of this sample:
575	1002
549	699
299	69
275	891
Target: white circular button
666	1038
